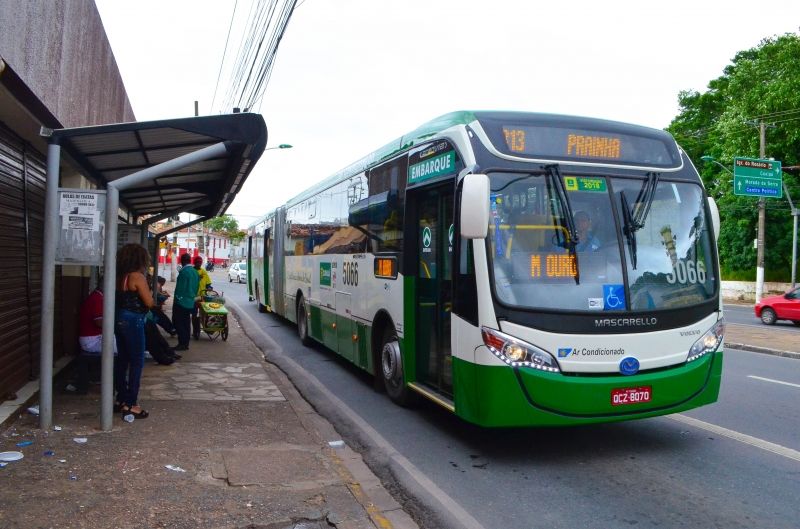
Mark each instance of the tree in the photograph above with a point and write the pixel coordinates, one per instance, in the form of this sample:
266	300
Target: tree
760	84
224	224
228	226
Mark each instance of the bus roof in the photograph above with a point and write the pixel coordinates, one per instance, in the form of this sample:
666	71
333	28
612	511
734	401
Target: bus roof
415	137
464	117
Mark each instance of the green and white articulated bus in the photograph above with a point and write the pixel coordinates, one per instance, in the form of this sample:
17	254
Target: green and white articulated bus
518	269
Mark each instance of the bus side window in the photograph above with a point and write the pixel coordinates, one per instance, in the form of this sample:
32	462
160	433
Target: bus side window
387	191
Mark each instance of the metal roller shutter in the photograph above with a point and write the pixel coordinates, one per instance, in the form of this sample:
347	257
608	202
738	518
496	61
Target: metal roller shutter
22	191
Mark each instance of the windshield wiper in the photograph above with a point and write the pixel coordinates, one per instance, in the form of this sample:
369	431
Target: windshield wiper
554	171
645	200
628	228
634	221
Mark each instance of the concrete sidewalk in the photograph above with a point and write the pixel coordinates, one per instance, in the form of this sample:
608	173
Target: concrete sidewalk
767	339
229	444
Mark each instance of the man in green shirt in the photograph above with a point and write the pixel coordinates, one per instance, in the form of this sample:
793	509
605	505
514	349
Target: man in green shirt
183	301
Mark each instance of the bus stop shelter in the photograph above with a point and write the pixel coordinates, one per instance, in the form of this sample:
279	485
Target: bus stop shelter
153	170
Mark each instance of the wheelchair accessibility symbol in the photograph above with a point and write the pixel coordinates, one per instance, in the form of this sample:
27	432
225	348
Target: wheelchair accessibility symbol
614	297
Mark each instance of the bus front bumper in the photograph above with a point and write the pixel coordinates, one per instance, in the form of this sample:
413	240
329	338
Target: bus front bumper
506	396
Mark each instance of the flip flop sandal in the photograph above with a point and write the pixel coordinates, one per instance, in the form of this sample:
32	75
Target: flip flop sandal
139	415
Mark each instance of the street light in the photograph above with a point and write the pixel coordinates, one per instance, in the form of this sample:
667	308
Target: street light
281	146
795	212
710	159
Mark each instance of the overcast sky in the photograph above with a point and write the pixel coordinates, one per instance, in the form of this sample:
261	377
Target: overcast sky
352	75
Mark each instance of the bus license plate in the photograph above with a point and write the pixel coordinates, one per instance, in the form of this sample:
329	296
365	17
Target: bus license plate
623	396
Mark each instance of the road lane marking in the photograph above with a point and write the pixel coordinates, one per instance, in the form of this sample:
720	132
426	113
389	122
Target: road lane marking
737	436
774	381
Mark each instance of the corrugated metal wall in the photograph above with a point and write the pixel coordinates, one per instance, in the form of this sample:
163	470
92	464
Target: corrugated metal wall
22	195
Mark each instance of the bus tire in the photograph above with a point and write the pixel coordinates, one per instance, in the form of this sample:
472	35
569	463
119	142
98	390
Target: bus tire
261	308
391	369
302	322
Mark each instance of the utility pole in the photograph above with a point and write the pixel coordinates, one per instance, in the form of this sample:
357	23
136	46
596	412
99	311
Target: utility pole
762	151
795	213
173	266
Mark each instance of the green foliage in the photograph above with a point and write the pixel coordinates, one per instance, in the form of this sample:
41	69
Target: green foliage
237	236
228	226
224	224
762	83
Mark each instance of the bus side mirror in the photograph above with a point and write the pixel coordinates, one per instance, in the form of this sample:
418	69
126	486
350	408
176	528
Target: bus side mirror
712	206
475	206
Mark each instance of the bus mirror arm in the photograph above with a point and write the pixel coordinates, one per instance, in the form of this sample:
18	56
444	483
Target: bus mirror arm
475	206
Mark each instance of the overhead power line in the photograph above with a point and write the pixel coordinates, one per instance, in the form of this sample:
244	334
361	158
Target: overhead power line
252	69
224	52
705	131
775	114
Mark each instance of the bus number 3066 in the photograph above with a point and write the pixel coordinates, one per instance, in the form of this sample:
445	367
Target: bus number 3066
350	273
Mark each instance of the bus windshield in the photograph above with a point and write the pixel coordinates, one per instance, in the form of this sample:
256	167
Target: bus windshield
656	255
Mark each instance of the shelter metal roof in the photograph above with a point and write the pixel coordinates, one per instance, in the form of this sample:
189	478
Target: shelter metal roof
109	152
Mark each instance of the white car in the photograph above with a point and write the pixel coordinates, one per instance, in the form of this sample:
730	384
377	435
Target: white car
238	272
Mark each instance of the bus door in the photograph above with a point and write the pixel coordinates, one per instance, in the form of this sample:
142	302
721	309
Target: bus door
434	240
267	256
250	257
278	261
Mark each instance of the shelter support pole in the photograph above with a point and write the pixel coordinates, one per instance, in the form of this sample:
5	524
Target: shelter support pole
109	309
48	286
146	175
170	231
110	260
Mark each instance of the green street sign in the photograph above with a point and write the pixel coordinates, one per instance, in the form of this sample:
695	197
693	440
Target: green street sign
757	178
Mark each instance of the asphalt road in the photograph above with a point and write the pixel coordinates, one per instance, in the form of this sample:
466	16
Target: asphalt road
733	464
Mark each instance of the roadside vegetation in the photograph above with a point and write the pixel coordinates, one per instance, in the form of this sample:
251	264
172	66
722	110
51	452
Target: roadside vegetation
760	84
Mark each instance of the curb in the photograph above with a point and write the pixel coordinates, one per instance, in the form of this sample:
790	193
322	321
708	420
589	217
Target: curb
763	350
382	509
29	394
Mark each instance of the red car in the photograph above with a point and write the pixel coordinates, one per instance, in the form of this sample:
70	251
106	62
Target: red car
785	307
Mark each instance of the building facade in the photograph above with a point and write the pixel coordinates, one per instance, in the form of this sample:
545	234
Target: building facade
56	70
195	240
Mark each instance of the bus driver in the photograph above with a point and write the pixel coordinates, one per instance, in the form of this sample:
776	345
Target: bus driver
587	242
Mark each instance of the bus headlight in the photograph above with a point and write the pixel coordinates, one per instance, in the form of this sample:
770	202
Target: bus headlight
709	342
517	353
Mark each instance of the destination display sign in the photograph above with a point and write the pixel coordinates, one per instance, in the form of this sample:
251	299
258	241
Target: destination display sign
435	160
587	145
757	178
553	266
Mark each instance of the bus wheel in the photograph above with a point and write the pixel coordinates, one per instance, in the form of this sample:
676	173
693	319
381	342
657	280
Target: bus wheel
302	323
261	308
392	370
